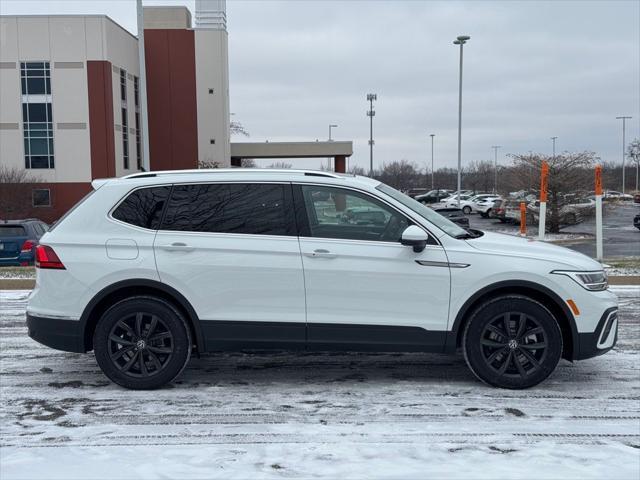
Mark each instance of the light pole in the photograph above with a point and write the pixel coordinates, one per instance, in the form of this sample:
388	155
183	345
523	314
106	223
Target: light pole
331	140
624	156
144	131
330	127
553	139
495	167
432	182
461	40
371	113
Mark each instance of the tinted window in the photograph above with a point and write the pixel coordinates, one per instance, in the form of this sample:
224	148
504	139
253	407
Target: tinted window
346	214
143	207
259	209
12	231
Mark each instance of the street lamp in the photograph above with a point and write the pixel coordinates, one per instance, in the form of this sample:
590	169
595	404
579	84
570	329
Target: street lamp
432	182
461	40
371	113
624	126
495	167
330	127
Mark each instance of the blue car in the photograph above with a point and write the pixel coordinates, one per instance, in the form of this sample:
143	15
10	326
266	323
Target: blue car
18	240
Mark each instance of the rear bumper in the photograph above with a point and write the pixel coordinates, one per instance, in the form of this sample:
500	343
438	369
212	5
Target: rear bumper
66	335
602	339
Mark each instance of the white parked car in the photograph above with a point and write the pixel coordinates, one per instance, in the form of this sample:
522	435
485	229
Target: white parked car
467	203
154	266
485	205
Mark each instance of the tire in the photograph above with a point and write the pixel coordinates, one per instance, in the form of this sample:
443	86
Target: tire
147	328
488	347
466	210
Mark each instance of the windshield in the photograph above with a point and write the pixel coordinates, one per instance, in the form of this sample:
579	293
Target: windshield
425	212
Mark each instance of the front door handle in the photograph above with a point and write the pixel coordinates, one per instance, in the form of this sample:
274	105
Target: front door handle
321	253
177	247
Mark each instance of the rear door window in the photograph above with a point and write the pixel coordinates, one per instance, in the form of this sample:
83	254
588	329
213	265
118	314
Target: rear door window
242	208
143	207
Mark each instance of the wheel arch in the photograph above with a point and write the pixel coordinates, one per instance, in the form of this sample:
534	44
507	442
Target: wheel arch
127	288
559	309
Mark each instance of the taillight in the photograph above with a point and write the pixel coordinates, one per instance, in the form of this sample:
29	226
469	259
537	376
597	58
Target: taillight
27	246
47	258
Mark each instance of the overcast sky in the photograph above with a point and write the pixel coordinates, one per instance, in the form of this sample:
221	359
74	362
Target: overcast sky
532	70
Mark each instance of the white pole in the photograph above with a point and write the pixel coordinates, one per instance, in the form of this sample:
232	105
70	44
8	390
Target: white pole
542	220
599	228
146	165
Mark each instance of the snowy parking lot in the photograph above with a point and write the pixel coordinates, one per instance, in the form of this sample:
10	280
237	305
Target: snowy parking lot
316	415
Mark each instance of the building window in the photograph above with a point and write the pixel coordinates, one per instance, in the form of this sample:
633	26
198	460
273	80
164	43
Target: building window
37	118
125	122
41	197
136	95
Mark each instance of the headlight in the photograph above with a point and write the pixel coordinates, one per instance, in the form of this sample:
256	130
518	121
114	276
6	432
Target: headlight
594	281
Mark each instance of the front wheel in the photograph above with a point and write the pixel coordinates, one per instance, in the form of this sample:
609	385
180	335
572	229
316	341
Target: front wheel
512	342
142	343
466	210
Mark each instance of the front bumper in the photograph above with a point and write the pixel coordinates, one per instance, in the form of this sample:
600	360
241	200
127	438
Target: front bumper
66	335
602	339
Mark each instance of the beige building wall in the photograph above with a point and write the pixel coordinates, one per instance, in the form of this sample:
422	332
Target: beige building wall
66	42
212	72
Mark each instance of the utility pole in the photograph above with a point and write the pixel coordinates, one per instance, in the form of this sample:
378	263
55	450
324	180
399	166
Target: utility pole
331	140
146	160
371	113
624	154
432	182
553	140
461	40
495	167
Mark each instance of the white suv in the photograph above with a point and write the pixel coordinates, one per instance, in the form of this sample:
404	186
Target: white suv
153	266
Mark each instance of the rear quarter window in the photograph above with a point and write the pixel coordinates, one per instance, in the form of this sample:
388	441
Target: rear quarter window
143	207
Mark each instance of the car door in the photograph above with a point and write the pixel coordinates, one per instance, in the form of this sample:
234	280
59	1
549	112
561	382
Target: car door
363	288
232	250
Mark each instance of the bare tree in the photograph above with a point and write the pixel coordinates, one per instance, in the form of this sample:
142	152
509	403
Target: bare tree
236	128
280	165
633	152
401	174
15	192
568	173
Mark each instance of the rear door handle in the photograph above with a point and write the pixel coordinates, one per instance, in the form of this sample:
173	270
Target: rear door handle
321	253
177	247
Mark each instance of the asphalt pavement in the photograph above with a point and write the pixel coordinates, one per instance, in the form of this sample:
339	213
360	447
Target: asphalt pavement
621	238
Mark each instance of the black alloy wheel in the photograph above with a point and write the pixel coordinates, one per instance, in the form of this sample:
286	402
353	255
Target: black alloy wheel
512	341
142	342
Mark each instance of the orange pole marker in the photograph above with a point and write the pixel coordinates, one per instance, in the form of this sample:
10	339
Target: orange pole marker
598	190
544	175
523	218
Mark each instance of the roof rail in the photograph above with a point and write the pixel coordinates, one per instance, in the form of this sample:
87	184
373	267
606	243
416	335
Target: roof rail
314	173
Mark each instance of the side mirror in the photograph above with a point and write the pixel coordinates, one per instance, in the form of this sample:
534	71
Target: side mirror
415	237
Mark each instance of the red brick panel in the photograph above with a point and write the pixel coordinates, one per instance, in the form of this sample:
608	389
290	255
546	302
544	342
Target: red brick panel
171	97
101	132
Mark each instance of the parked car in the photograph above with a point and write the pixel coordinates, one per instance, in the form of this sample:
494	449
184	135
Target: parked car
433	196
467	204
18	240
615	195
571	213
153	266
454	214
636	221
414	192
636	197
485	206
453	199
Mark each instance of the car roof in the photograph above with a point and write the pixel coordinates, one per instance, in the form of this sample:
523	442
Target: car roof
232	174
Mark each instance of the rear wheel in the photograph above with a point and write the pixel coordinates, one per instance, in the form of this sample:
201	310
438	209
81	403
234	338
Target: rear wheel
512	342
466	210
142	343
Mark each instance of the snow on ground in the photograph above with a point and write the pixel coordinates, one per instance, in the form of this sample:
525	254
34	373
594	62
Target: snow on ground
316	415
